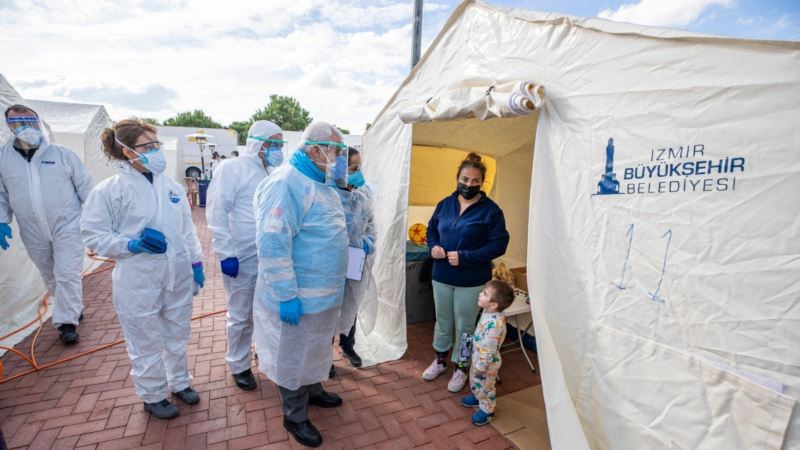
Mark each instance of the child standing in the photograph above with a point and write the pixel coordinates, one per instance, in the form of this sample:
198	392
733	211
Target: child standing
489	335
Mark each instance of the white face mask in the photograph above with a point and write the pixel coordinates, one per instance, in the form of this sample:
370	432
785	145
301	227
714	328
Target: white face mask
29	135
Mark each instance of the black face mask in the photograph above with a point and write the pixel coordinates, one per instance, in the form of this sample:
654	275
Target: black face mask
468	192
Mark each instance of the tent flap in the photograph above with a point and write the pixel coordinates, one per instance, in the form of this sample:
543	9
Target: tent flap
482	102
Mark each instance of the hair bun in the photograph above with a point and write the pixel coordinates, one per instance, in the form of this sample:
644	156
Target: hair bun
474	157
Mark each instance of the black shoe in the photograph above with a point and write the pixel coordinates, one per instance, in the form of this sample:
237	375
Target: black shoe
163	409
245	380
67	334
303	432
188	396
332	372
346	345
325	400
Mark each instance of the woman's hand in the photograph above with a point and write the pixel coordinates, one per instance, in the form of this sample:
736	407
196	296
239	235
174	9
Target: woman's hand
452	258
437	252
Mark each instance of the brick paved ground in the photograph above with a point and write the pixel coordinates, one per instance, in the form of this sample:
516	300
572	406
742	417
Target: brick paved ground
89	402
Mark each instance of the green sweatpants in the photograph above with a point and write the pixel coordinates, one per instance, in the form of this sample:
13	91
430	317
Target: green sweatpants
456	308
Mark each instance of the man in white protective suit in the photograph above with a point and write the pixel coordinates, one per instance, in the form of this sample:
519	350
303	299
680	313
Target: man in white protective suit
44	185
232	221
301	239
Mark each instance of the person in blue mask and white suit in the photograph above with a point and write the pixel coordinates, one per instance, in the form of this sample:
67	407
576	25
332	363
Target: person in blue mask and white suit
301	237
44	185
232	221
142	219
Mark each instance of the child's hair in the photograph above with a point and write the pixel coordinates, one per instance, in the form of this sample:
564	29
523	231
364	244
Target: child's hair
501	293
126	131
472	160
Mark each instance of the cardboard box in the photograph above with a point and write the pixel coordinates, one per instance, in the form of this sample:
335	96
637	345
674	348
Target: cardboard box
520	277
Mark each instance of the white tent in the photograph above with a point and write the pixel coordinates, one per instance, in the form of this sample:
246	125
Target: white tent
21	286
79	127
659	217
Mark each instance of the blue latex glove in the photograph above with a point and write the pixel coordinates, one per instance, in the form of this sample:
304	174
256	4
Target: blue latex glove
230	266
5	232
154	240
151	241
199	276
137	246
368	246
291	311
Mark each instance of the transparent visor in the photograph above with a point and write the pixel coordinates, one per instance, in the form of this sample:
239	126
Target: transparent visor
276	143
23	122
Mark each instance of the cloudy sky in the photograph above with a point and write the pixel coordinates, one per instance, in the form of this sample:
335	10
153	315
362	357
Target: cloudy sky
342	59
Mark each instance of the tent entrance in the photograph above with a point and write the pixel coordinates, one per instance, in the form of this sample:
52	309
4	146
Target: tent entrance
506	146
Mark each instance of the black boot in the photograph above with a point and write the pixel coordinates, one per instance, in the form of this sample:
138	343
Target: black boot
245	380
347	343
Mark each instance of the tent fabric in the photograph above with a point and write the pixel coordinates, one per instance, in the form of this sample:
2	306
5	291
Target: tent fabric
663	227
78	127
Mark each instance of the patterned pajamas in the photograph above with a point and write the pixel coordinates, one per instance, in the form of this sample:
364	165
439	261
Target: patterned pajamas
486	360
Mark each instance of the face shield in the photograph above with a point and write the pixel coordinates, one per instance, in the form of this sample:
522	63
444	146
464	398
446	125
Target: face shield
271	151
336	167
27	129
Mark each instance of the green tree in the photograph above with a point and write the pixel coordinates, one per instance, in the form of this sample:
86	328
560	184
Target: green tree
241	129
285	111
196	118
343	130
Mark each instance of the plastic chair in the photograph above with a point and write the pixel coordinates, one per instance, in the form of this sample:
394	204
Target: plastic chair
191	191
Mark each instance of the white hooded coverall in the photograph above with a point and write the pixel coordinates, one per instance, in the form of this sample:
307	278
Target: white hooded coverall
46	196
152	294
232	222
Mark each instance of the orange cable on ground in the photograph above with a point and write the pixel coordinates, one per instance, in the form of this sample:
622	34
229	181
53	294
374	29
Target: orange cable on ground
42	310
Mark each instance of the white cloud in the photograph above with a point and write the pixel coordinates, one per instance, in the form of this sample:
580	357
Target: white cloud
666	13
342	59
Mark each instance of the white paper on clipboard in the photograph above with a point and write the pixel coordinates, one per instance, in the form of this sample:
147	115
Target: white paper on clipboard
355	263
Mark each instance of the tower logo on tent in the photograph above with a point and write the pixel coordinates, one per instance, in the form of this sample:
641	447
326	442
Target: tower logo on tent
671	170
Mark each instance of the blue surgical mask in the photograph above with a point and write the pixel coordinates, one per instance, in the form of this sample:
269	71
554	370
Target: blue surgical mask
274	156
356	179
154	161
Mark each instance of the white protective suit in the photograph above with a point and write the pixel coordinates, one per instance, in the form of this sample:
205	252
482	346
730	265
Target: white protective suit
302	253
46	196
360	227
152	294
232	221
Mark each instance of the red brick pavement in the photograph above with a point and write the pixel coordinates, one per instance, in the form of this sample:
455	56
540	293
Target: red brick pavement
89	402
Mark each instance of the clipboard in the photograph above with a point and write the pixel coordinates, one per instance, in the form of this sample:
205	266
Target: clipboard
355	263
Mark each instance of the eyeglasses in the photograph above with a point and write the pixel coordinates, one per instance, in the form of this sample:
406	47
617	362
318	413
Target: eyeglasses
341	149
151	146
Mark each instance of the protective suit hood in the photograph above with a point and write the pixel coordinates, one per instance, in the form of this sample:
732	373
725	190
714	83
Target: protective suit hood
263	129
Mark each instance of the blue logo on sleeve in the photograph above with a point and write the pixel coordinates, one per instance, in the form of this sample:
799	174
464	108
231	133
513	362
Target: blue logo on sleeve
174	197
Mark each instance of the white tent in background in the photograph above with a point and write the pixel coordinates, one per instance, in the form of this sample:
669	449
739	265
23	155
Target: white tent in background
21	286
79	127
655	199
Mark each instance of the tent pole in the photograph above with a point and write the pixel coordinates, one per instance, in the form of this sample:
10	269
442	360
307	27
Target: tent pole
417	33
